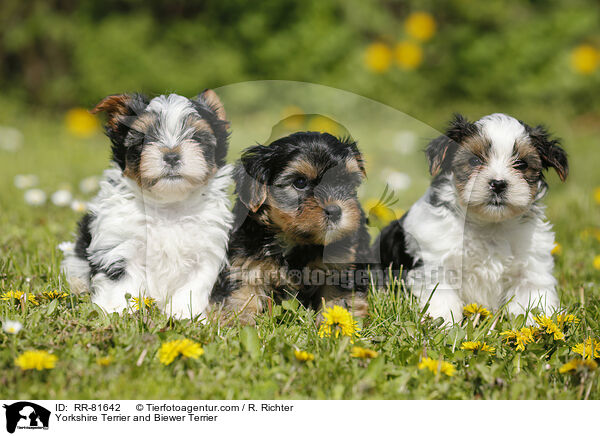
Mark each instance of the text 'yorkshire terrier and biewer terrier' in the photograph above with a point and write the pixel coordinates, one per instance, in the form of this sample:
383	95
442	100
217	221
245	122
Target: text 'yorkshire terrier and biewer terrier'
302	232
480	234
159	226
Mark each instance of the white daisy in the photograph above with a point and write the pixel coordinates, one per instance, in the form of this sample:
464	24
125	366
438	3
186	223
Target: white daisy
11	139
12	327
405	141
397	181
35	197
89	184
78	205
62	197
25	181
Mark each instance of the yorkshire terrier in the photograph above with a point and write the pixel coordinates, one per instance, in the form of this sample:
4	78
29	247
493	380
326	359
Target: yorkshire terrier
302	232
480	234
159	226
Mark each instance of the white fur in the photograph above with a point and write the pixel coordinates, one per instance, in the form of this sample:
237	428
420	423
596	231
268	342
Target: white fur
173	251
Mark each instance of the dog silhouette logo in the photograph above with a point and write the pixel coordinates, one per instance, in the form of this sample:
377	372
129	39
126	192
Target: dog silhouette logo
26	415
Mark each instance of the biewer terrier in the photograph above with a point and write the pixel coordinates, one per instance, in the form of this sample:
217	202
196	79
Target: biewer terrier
480	234
159	225
301	227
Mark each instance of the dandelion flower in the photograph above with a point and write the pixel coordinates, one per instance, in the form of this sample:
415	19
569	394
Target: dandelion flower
363	353
35	359
25	181
585	58
34	197
420	25
54	295
379	210
520	337
169	351
477	346
61	198
78	206
551	327
18	296
144	301
89	184
578	364
304	356
596	262
409	55
474	308
105	361
378	57
563	319
436	366
556	250
336	321
12	327
590	348
81	123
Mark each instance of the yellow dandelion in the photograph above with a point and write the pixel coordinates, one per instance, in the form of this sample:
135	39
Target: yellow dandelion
420	25
304	356
18	296
54	294
474	308
597	195
169	351
563	319
520	337
476	346
144	301
378	57
36	359
409	55
436	366
556	250
105	361
596	262
338	321
585	58
550	327
81	123
380	211
363	353
578	364
590	348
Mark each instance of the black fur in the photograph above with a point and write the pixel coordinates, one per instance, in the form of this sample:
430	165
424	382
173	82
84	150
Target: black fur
551	153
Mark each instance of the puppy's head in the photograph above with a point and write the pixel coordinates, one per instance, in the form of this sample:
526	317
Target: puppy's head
169	145
303	186
496	164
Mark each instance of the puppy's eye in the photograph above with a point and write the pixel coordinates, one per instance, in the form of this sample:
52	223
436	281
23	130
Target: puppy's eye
520	165
300	183
474	161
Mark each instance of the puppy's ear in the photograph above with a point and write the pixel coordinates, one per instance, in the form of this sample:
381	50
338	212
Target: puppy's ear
355	153
122	110
251	176
441	150
213	101
551	153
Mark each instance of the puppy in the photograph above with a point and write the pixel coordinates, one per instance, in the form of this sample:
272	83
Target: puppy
302	229
159	225
479	234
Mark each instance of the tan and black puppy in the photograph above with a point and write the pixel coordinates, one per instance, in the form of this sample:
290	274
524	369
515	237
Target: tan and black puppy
300	229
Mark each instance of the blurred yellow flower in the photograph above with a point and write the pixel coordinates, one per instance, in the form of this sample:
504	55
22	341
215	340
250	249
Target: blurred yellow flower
474	308
169	351
420	25
597	262
363	353
520	337
35	359
104	361
409	55
304	356
144	301
566	318
18	296
590	348
436	366
556	250
376	208
551	327
378	57
81	123
578	364
585	59
597	195
55	294
477	346
336	321
323	124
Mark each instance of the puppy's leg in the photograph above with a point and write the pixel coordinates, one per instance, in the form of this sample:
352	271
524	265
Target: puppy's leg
191	299
527	296
110	294
244	304
355	302
445	303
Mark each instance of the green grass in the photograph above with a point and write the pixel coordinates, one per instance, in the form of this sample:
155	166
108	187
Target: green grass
243	362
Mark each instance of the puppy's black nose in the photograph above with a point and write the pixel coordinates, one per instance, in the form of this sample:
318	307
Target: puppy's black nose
333	212
171	158
498	186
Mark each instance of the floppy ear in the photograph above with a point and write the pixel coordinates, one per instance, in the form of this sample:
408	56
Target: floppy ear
355	153
121	109
213	101
441	150
251	176
550	151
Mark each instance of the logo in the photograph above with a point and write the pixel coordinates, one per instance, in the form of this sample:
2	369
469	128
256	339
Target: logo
26	415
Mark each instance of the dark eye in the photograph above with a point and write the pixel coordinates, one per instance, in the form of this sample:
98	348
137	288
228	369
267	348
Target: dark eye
520	164
300	183
474	161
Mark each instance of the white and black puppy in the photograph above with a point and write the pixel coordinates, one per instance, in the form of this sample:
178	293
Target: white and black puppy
159	225
479	234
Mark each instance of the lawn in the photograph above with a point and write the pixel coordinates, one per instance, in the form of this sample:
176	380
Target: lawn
104	357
